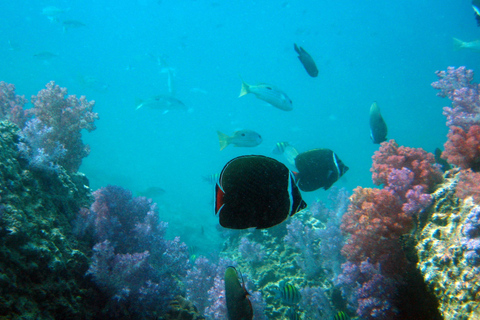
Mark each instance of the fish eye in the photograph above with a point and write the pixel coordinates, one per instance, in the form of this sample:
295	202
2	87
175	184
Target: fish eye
269	88
243	134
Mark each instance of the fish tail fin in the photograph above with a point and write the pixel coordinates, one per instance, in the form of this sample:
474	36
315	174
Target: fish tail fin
224	140
290	154
138	103
296	48
245	89
458	44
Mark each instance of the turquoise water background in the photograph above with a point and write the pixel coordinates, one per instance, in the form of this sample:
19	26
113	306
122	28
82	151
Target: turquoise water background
366	51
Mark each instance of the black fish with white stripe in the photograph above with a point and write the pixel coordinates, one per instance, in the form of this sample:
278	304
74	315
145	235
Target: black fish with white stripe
318	168
256	192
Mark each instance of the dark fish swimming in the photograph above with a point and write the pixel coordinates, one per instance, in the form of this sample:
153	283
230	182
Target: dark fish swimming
307	61
341	316
256	191
268	93
240	138
442	162
378	127
318	168
289	294
239	306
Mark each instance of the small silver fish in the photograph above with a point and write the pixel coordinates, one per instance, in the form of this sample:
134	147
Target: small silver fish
151	192
13	46
93	83
472	45
162	102
52	11
241	138
72	24
45	55
268	93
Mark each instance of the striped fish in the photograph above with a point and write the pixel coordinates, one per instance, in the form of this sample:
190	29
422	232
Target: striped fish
341	316
280	147
292	314
212	179
289	294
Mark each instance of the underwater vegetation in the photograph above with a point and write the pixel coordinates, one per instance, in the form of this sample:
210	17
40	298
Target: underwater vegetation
132	261
406	249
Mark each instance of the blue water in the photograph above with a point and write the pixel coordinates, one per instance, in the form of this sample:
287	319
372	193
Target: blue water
366	51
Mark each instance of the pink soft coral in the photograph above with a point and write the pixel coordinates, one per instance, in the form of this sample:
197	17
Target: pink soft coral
375	220
68	116
390	156
469	185
463	148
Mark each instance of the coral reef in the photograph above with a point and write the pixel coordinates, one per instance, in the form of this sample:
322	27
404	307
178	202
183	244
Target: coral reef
463	147
375	222
132	262
67	116
42	265
444	253
182	309
39	147
289	257
463	117
11	105
457	84
468	185
391	158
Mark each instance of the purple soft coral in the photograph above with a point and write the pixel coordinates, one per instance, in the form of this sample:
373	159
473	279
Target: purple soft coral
457	84
39	148
367	291
132	261
251	251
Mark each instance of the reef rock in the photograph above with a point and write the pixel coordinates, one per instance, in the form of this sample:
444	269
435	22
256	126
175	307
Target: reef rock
441	249
42	266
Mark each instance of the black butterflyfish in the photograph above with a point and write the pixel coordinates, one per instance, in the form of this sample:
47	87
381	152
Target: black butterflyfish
318	168
256	192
